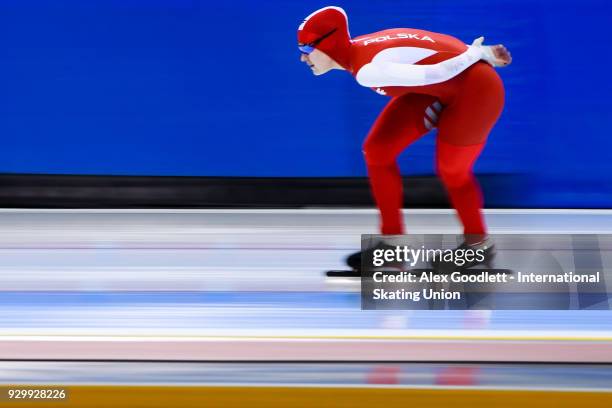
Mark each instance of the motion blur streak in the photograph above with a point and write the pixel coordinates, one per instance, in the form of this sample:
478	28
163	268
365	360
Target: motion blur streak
178	290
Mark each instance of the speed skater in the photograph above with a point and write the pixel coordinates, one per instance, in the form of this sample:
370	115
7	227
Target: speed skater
434	81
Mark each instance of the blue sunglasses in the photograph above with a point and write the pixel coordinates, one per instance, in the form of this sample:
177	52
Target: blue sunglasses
306	49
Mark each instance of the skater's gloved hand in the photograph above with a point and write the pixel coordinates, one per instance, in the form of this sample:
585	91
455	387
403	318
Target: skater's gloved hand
496	55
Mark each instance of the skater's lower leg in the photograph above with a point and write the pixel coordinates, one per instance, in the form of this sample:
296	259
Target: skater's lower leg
467	201
386	186
454	165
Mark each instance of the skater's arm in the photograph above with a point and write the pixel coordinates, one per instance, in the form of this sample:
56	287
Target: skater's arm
386	73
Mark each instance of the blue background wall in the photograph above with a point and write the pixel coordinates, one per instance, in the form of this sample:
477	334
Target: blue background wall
178	87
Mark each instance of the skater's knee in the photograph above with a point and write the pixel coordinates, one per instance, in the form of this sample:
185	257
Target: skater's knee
454	176
377	155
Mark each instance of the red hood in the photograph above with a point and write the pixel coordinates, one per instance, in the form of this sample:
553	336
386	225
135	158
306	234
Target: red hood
321	22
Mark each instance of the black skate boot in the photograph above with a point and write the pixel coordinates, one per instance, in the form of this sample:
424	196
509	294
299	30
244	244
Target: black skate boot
354	260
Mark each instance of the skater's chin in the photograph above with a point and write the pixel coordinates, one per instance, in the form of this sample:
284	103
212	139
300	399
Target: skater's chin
318	72
314	70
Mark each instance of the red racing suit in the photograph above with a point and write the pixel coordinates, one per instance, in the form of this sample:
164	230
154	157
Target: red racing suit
434	81
463	100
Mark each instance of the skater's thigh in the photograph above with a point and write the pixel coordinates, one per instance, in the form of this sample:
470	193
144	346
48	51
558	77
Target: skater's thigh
469	118
401	122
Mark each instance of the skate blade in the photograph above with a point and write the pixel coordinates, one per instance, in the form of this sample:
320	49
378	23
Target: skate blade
343	274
